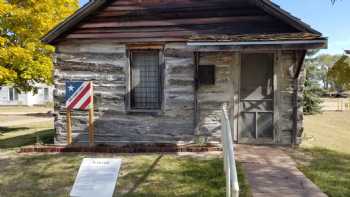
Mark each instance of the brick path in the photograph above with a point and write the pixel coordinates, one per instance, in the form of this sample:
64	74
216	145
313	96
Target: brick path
272	173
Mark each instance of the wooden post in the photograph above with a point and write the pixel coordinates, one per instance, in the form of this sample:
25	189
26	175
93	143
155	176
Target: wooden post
91	127
69	127
91	120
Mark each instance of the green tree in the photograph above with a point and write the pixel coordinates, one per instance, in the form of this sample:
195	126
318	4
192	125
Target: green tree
324	64
312	90
340	74
24	59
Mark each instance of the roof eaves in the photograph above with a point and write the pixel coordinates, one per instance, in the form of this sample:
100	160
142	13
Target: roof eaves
276	10
74	19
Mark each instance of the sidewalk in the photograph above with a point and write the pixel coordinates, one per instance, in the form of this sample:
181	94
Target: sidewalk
272	173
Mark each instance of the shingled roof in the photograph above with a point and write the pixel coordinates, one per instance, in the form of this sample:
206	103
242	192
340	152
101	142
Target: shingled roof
306	32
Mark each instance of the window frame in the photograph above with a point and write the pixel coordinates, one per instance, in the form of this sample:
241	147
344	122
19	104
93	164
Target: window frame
15	96
46	94
129	107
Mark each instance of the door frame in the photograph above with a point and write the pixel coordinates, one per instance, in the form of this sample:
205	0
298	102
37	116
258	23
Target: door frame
236	99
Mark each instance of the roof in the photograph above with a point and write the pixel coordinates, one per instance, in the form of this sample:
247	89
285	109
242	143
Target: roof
277	11
266	5
257	37
73	20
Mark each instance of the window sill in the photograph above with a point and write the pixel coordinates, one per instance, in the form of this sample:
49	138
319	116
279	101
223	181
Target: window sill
144	111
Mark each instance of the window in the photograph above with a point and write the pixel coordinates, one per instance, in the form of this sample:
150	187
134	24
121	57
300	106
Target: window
145	80
46	94
206	74
13	94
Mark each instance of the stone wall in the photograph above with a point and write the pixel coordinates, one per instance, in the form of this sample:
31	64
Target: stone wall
107	65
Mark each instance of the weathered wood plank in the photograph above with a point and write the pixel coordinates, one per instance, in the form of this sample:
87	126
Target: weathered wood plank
175	22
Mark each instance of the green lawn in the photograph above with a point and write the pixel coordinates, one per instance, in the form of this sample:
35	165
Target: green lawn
329	130
141	175
324	155
163	175
22	135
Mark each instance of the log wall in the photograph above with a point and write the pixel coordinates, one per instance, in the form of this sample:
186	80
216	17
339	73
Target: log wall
212	97
288	122
107	65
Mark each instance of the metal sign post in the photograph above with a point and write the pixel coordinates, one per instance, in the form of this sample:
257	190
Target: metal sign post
79	95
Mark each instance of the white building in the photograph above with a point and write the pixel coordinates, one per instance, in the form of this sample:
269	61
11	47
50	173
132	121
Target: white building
9	96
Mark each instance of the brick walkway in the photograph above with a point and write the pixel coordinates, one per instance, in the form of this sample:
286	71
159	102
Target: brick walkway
272	173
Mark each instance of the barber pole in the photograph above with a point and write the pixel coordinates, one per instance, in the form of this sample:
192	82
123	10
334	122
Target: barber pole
79	96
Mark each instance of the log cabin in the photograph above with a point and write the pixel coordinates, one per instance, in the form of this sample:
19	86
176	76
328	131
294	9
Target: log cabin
163	69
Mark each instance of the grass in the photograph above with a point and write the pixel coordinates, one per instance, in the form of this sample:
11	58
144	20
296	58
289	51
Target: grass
160	175
329	130
24	109
324	156
12	137
328	169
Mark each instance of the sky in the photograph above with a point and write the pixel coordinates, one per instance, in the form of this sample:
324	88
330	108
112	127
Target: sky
331	20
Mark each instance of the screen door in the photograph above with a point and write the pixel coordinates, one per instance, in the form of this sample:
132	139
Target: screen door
256	99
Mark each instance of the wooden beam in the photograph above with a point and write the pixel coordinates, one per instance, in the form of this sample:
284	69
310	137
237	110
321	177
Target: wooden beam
91	120
259	47
300	57
69	127
195	89
175	22
91	127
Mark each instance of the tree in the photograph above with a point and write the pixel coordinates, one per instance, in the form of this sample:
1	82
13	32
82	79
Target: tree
319	67
312	91
340	74
324	63
24	59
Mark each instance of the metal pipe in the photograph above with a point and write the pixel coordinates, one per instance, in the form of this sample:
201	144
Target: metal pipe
232	186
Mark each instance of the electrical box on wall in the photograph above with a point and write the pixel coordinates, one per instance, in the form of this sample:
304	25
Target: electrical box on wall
206	74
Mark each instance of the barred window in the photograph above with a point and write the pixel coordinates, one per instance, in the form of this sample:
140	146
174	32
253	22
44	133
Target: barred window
145	80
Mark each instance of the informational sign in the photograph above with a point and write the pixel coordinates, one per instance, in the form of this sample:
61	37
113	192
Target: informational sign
79	95
96	178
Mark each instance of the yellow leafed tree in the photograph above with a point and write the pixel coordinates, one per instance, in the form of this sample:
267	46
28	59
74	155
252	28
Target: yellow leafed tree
24	59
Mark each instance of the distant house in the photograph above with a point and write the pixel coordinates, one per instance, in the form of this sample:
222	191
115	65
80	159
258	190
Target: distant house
162	70
347	52
10	96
